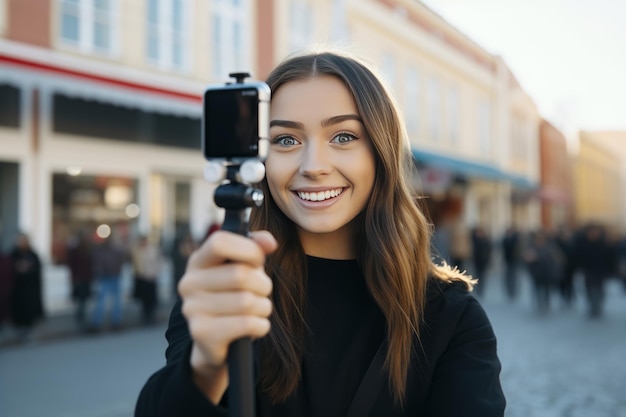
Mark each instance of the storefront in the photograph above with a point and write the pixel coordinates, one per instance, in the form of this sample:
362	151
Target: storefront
96	151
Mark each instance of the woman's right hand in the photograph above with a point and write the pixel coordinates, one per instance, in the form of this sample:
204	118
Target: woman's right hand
225	294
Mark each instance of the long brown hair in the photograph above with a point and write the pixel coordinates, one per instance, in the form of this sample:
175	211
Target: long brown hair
394	252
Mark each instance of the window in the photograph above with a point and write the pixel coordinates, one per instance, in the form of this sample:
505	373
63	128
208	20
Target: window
168	34
453	114
484	125
92	119
10	106
89	25
230	37
521	137
77	198
102	24
301	25
412	102
434	107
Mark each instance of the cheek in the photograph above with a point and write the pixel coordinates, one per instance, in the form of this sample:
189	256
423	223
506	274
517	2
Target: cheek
367	170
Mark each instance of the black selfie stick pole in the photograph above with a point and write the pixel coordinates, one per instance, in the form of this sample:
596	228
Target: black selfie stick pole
237	198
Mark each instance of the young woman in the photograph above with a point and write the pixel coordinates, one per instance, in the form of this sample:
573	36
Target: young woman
336	285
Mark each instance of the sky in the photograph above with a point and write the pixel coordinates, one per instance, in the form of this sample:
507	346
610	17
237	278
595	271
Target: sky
568	55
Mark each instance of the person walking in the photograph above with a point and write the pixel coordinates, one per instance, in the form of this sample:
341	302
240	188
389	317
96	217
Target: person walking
592	254
511	245
460	244
621	260
481	256
181	250
81	266
26	297
147	264
6	288
336	282
565	240
109	260
544	262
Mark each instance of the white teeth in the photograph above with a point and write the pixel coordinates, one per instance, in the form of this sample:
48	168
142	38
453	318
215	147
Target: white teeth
321	195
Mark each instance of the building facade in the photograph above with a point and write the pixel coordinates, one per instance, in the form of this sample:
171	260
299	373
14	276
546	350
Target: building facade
100	111
600	179
557	182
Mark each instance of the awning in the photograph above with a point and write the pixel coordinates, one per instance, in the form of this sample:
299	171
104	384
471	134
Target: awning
470	169
523	183
50	71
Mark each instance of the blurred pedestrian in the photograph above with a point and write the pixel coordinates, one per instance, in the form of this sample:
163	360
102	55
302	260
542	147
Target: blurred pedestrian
592	255
109	259
481	256
26	297
440	244
565	240
460	244
511	245
621	261
544	262
81	265
183	247
6	288
147	263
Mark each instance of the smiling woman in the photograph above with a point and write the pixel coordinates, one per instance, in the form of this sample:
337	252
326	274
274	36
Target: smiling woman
318	148
337	282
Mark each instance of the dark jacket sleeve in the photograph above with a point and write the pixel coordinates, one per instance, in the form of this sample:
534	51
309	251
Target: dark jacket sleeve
466	378
171	391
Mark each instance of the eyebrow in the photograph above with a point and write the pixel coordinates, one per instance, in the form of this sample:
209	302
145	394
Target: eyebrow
325	123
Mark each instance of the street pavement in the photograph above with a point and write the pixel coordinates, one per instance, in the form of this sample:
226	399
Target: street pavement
560	364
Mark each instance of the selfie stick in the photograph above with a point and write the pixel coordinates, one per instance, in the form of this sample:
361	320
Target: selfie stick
237	198
235	169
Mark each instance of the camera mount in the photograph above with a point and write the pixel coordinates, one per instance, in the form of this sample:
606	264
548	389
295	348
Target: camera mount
237	195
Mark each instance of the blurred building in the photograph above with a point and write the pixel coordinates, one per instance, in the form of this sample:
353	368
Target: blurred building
100	110
473	129
556	191
601	179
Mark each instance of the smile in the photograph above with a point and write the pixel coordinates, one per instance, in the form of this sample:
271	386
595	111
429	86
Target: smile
320	195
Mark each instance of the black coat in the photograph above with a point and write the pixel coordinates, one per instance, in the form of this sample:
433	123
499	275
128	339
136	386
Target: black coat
455	372
26	299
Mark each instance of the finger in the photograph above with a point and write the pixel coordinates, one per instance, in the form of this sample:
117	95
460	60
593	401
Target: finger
224	330
228	304
224	246
226	277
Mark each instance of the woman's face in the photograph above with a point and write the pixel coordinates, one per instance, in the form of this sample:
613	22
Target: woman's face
320	167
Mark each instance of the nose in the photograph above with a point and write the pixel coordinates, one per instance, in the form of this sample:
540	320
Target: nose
315	160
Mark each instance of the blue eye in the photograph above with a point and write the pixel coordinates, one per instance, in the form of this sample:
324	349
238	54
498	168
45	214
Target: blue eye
344	137
285	141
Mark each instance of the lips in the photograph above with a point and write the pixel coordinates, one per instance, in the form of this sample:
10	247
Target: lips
319	195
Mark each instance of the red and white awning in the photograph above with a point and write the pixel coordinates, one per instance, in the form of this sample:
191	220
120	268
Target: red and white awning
49	70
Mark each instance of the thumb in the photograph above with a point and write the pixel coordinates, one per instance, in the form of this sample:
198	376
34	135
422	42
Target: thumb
265	240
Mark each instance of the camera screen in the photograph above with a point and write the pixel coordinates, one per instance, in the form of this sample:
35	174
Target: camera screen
231	123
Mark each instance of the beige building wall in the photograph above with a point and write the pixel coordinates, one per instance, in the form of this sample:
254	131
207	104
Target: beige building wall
612	146
598	185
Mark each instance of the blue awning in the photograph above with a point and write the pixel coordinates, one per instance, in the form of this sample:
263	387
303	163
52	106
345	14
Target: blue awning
523	183
470	169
